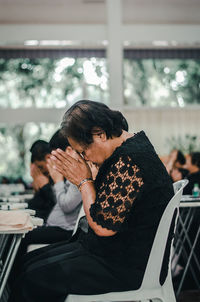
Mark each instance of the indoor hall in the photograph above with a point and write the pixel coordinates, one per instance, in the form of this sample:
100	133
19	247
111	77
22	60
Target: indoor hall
140	58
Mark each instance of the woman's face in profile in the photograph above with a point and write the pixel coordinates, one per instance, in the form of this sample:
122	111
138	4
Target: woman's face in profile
93	152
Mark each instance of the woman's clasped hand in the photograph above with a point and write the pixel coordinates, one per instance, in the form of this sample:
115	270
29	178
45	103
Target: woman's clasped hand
71	166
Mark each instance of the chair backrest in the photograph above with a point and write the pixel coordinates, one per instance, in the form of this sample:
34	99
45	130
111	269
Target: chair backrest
178	184
154	264
81	214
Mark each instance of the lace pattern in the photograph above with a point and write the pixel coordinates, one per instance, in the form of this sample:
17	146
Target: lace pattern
117	194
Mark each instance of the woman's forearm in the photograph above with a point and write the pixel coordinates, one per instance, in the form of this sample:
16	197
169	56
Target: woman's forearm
89	195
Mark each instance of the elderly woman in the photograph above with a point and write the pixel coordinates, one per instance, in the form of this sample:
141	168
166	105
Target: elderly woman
123	207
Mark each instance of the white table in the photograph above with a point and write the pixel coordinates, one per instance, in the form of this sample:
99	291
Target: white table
16	198
9	244
188	207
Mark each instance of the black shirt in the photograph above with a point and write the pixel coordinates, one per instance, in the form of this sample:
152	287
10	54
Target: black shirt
132	190
43	201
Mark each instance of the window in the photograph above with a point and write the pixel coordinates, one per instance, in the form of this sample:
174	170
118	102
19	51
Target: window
15	144
46	82
161	82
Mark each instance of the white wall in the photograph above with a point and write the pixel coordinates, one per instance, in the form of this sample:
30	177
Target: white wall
160	124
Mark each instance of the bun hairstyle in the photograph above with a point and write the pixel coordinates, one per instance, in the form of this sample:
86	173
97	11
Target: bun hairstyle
86	118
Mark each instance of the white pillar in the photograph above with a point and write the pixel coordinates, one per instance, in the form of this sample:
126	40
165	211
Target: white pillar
115	53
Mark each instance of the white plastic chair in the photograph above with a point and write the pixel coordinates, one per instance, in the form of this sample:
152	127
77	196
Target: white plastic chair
176	268
150	288
80	215
178	184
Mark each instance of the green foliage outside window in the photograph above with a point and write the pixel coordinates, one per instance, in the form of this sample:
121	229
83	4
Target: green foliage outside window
162	82
51	83
15	142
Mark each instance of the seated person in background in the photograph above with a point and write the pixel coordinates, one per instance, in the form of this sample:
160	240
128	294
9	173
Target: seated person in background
67	194
193	166
68	197
62	190
175	159
44	198
62	218
178	174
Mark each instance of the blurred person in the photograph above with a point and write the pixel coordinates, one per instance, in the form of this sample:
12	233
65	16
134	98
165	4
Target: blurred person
68	197
62	218
178	174
44	198
82	227
193	166
123	207
175	159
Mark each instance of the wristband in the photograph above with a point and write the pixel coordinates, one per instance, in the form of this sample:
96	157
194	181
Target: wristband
84	181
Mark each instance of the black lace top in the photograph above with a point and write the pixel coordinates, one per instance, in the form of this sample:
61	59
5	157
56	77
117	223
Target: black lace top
117	193
133	189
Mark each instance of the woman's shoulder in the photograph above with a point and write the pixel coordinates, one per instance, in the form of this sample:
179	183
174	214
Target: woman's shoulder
135	146
126	153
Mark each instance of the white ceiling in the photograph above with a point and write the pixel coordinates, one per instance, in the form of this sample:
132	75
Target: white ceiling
94	11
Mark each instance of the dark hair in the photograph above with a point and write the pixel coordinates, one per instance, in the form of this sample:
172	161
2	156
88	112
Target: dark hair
39	150
184	172
180	157
195	158
58	141
85	118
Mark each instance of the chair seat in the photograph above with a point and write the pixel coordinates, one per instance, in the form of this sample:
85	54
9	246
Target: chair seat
33	247
134	296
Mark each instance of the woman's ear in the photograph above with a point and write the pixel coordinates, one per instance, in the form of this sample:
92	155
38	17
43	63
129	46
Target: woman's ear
103	136
99	133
